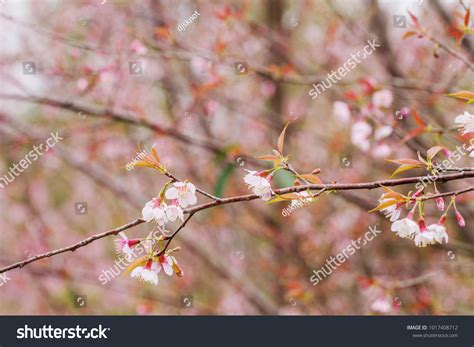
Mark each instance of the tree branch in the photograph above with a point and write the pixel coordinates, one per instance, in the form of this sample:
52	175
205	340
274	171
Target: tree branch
248	197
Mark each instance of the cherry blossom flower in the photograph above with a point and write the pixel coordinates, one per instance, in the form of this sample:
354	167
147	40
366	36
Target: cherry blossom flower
138	48
185	192
392	211
124	245
359	135
147	273
155	210
382	132
259	185
166	263
382	151
382	98
439	232
466	123
382	305
174	211
406	227
82	84
341	111
424	236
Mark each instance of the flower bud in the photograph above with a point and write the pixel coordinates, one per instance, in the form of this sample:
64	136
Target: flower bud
460	219
440	203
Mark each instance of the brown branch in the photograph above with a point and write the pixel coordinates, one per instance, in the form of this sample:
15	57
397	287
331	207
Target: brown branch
454	193
73	247
115	116
249	197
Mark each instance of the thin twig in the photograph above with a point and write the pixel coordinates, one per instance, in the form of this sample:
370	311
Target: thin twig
249	197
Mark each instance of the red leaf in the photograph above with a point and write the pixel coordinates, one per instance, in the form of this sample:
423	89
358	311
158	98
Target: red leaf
466	17
414	19
413	133
418	119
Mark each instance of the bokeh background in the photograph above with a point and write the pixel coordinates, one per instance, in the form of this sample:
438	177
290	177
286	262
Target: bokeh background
209	119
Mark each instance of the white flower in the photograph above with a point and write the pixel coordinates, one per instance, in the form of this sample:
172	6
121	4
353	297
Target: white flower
405	228
422	239
360	131
173	212
382	132
382	305
185	192
124	245
392	211
466	122
381	151
259	185
166	263
147	273
341	111
155	210
382	98
439	232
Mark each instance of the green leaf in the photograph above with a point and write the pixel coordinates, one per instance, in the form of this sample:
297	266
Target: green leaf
222	180
405	168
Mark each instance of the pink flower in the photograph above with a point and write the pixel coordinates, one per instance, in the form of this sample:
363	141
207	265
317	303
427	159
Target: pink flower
259	185
341	111
174	211
382	132
439	232
166	263
382	305
424	236
359	135
466	123
124	245
184	192
155	210
147	273
138	48
382	98
405	228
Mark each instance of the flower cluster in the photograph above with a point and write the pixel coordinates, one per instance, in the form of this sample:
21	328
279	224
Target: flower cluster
148	272
391	205
180	195
147	267
369	107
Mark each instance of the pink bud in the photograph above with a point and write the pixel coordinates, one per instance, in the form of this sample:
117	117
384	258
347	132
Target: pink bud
442	219
440	203
133	242
460	219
